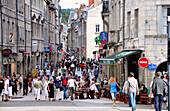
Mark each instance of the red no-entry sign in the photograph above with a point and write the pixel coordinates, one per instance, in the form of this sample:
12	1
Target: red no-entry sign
143	62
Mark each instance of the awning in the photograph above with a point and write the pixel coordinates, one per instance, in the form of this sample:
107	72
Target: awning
26	53
110	59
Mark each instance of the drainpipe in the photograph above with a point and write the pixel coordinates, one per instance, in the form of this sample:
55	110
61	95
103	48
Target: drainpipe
17	30
25	66
123	36
31	31
49	22
1	39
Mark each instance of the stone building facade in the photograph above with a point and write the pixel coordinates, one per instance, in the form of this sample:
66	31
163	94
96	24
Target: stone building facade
146	29
94	27
145	32
86	25
34	25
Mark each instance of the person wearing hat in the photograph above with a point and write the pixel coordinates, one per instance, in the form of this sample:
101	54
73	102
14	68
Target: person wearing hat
132	90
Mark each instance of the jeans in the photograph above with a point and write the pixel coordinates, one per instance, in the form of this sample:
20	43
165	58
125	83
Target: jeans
129	101
96	77
65	94
71	92
158	100
132	96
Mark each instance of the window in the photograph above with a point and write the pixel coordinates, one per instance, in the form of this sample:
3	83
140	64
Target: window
136	22
163	20
128	23
168	14
97	28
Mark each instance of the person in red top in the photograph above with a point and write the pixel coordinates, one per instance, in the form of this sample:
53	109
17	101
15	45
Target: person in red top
69	69
64	80
30	84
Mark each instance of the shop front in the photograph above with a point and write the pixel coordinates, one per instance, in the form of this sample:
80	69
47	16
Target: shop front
112	66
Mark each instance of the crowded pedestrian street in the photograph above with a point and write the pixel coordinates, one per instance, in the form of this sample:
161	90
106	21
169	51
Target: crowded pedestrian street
84	55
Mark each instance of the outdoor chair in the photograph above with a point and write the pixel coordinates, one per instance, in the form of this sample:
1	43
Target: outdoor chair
126	99
97	94
144	98
118	96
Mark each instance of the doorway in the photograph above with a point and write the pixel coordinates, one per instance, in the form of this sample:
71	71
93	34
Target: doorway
133	65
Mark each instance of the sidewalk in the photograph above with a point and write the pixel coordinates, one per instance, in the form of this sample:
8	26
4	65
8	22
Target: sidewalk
103	102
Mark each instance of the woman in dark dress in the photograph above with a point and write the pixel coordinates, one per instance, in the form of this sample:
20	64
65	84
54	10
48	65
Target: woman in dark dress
51	90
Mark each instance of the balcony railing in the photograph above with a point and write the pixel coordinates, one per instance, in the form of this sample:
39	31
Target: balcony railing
105	7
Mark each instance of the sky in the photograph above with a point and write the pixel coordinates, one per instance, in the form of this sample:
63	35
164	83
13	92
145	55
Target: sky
72	3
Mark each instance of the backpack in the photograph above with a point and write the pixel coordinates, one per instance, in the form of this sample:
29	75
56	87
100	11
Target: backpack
64	81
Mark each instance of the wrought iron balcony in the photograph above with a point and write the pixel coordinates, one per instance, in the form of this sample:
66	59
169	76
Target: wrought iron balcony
105	7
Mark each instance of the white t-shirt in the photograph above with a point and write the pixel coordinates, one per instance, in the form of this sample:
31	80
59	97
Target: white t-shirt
65	68
59	77
53	73
6	83
71	82
41	72
34	81
93	87
46	84
48	72
72	65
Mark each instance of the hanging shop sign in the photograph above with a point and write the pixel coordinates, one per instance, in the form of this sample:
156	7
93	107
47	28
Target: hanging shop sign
51	48
47	49
34	43
100	46
97	40
7	52
62	50
103	37
35	72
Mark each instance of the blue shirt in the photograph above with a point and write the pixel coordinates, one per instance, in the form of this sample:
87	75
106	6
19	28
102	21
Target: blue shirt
113	88
57	83
96	71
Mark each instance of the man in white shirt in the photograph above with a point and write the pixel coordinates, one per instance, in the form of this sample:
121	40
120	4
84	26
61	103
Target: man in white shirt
93	88
71	83
41	73
132	89
35	89
48	73
38	85
6	88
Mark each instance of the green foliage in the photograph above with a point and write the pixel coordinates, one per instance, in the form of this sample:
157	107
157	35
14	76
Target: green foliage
65	16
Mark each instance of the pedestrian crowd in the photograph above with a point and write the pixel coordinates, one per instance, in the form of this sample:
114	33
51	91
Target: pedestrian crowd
56	84
79	78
